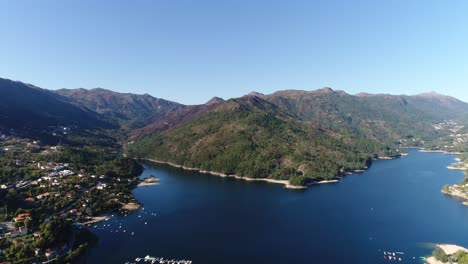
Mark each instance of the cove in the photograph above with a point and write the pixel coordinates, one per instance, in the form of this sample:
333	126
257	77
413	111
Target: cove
396	205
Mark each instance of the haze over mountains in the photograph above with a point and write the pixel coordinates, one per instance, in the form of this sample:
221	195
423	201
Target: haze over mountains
289	134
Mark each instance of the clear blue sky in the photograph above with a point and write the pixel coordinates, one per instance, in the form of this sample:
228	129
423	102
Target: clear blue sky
190	51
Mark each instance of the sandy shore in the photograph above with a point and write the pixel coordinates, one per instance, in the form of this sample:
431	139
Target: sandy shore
433	260
449	249
440	151
385	158
456	193
456	167
96	219
284	182
358	171
327	181
130	206
142	184
149	182
457	190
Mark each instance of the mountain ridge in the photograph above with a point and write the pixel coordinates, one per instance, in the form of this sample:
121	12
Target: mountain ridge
130	110
291	135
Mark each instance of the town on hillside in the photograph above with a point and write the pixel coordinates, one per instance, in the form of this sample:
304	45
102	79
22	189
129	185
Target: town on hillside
49	192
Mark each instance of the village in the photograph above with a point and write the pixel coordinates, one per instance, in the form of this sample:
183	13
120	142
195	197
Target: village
45	189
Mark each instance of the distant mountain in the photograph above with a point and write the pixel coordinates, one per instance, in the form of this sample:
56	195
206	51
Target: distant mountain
433	104
130	110
26	106
379	117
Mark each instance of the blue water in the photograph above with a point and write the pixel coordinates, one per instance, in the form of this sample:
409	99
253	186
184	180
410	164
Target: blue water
396	205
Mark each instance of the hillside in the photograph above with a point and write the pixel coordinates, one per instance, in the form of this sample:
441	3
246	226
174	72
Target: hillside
293	134
253	137
129	110
24	106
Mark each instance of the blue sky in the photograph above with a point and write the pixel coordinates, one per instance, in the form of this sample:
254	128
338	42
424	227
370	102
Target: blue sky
190	51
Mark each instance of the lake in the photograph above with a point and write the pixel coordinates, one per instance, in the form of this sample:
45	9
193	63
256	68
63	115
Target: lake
394	206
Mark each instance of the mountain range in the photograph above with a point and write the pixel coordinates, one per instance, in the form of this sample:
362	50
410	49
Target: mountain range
292	134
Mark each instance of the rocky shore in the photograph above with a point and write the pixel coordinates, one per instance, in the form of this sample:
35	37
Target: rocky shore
459	190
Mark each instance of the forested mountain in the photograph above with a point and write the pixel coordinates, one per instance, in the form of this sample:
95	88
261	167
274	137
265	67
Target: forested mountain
130	110
253	137
26	106
298	135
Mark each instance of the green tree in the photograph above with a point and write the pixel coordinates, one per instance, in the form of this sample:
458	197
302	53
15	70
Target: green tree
440	255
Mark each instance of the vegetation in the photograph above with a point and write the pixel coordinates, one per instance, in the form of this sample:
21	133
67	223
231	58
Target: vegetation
57	186
252	138
460	257
304	136
440	255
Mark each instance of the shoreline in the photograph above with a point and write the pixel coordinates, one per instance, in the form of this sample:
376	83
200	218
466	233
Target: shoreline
457	194
148	182
284	182
453	167
96	219
439	151
219	174
449	249
457	190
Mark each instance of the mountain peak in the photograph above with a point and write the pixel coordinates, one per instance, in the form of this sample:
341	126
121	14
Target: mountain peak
432	94
215	100
326	90
253	93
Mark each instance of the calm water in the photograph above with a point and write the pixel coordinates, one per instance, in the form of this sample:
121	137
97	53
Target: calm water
394	206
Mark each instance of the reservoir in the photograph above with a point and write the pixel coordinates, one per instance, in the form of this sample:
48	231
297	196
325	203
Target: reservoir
395	206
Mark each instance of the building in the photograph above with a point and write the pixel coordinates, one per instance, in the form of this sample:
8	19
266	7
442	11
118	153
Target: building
22	217
50	253
21	231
